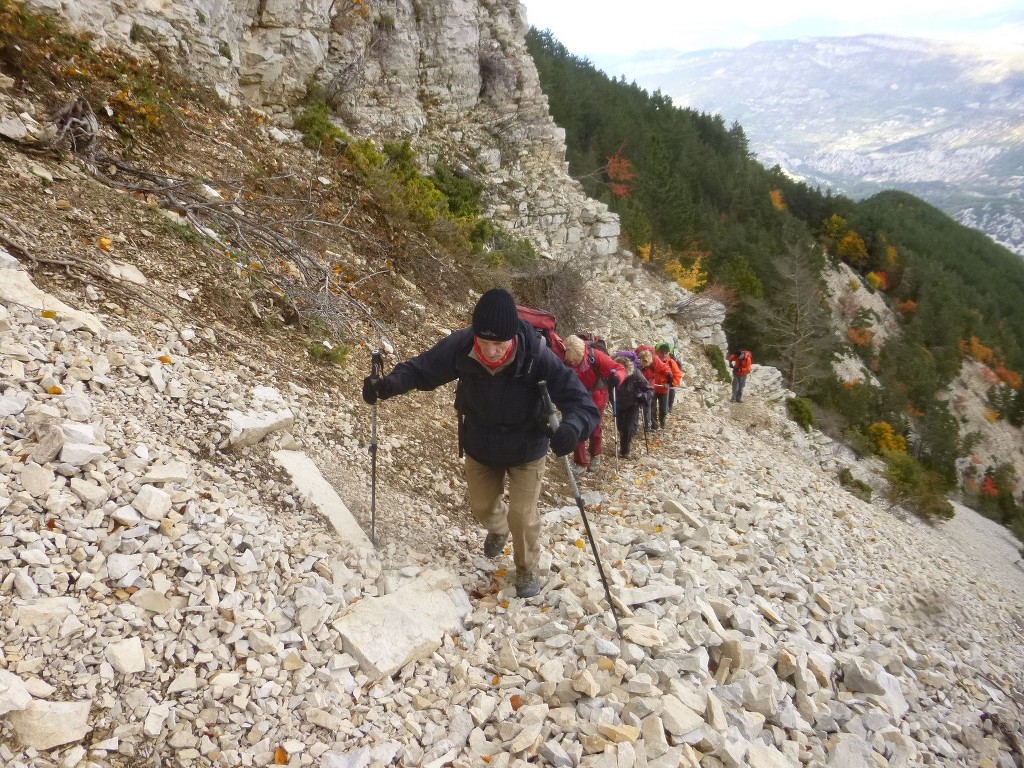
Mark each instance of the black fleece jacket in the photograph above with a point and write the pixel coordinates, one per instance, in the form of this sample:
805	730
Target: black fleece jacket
501	416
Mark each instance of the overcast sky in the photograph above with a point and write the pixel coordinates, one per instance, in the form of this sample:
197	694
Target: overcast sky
603	30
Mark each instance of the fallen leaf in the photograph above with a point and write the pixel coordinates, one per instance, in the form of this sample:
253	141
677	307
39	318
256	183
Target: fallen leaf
54	390
280	756
516	701
580	544
104	243
49	314
165	359
495	680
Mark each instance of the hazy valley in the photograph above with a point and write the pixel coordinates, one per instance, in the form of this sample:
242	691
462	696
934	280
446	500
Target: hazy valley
857	115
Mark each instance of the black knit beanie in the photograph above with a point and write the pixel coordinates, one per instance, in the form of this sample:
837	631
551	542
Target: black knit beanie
495	317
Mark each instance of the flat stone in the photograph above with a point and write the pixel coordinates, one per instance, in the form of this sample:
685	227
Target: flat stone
126	656
152	503
319	492
40	612
171	472
186	680
386	633
245	429
36	479
14	695
47	724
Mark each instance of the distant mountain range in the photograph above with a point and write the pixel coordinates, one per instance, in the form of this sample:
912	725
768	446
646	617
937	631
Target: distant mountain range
942	121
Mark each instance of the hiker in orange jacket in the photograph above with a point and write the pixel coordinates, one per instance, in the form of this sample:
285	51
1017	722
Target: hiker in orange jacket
660	377
664	351
741	363
596	371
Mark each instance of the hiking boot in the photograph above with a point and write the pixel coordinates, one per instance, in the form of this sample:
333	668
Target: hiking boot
595	464
527	583
494	543
578	469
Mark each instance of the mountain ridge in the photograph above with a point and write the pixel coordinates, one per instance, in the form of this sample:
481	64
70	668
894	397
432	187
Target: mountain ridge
858	115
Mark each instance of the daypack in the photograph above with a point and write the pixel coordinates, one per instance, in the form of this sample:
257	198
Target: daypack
595	341
544	323
743	363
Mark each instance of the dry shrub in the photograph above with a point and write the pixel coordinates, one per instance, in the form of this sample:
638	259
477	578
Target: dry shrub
560	289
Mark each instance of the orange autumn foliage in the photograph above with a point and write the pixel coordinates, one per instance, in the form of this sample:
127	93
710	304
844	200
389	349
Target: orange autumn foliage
974	348
1011	378
620	173
988	487
859	337
777	202
907	307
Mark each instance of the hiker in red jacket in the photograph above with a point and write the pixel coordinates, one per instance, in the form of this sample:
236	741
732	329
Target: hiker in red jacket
660	377
664	351
741	363
596	372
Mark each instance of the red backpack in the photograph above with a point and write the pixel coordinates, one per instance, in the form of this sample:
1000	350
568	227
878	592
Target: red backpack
744	363
544	322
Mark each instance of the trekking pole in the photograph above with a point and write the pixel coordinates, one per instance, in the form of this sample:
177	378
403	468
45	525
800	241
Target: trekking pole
615	429
553	423
643	418
376	371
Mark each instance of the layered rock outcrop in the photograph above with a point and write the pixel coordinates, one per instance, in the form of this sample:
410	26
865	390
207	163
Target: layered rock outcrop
452	76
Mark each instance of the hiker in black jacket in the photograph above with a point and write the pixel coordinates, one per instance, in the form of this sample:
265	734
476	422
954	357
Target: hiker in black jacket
631	395
498	361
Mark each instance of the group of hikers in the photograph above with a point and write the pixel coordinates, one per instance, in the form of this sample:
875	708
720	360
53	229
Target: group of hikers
641	384
503	367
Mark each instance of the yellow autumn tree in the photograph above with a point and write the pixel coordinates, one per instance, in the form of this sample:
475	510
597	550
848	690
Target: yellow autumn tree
692	278
884	438
777	201
835	227
853	250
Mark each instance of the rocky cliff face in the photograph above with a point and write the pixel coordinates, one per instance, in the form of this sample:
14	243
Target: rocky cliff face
453	76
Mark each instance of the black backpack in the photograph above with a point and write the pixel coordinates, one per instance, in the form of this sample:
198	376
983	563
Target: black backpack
595	342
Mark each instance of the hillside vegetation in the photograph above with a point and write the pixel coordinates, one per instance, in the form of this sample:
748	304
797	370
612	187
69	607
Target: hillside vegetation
699	207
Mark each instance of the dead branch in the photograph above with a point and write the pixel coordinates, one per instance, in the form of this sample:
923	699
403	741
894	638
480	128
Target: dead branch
698	310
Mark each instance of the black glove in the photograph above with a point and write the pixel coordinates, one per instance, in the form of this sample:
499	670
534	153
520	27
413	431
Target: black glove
564	439
371	389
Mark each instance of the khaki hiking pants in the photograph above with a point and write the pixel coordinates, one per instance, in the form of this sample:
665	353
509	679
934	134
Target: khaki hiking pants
520	516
